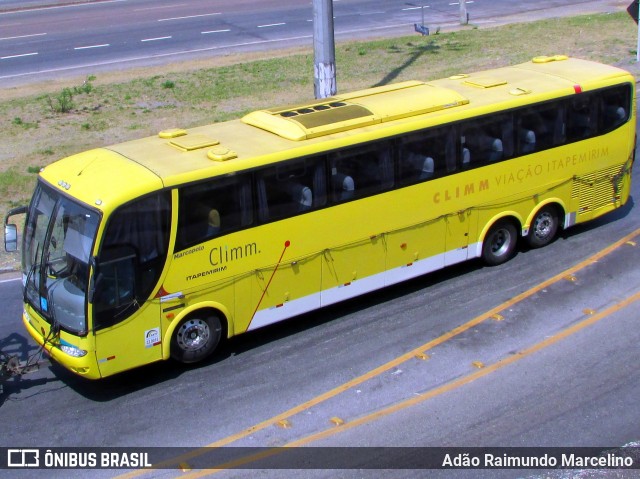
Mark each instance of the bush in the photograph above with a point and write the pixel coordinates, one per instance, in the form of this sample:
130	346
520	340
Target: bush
63	103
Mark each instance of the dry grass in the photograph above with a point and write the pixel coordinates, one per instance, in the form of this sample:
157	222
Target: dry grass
130	104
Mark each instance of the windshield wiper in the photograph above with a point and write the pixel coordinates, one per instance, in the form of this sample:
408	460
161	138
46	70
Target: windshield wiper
34	266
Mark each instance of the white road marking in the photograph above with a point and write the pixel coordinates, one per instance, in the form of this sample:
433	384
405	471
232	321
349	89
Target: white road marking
156	39
189	16
216	31
23	36
10	280
271	25
18	56
102	45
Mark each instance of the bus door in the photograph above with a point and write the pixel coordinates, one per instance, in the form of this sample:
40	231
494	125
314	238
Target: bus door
126	322
127	333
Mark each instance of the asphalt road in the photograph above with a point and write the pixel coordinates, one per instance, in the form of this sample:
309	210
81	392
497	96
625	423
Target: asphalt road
542	351
45	39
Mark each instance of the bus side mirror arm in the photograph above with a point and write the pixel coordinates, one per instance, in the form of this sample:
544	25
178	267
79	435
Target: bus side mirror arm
15	211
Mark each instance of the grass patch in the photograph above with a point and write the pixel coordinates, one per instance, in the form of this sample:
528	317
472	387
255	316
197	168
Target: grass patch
16	186
101	112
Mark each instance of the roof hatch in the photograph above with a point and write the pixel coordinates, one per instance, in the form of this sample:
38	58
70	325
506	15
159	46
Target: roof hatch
355	110
192	142
484	82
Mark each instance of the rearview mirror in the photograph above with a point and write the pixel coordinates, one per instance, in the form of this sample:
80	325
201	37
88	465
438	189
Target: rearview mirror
11	230
10	238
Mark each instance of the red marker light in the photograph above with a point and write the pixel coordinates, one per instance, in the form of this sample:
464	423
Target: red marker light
161	292
577	88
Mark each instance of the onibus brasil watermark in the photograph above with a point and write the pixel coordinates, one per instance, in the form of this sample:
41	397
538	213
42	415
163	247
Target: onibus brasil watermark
625	457
72	459
543	461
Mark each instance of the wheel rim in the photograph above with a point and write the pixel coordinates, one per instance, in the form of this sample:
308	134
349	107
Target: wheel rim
543	225
193	335
501	242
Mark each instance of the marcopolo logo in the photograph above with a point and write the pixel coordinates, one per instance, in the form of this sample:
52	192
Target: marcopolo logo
23	458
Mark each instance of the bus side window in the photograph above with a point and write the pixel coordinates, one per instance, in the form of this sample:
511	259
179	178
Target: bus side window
486	140
361	171
290	188
343	186
212	208
582	117
425	155
530	127
615	107
540	127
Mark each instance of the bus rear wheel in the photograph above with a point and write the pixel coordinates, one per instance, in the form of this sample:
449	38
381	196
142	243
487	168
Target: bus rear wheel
544	227
500	243
196	337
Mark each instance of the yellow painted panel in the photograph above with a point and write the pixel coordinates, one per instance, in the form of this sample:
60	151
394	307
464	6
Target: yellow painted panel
344	266
133	342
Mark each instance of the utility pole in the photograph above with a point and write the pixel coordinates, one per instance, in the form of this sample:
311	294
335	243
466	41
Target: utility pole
464	16
638	42
324	49
634	11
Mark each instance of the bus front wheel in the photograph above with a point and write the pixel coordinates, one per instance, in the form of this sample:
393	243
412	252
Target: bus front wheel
500	243
196	337
544	227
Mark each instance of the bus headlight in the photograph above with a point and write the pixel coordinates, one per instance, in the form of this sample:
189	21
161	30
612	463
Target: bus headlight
72	350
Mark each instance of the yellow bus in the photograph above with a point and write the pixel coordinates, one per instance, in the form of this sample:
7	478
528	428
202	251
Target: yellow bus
164	246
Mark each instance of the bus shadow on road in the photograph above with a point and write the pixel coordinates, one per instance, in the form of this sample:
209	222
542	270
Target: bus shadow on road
20	363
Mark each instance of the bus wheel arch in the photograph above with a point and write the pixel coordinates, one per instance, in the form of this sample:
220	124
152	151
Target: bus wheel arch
197	335
545	224
501	241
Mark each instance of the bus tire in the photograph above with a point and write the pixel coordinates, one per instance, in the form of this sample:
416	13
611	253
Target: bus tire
499	245
196	337
544	227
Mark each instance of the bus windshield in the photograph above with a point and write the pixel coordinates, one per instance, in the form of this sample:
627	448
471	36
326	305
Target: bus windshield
59	235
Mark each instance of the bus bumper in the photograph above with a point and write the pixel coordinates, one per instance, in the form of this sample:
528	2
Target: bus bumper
83	366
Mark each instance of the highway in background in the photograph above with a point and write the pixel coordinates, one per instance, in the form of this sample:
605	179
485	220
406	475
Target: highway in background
40	39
